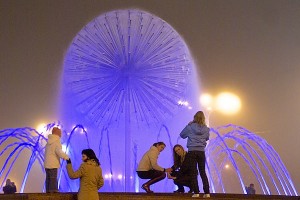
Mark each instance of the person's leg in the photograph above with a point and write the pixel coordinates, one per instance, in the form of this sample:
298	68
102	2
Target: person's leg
180	188
154	176
145	175
192	156
181	182
190	172
47	180
201	165
52	187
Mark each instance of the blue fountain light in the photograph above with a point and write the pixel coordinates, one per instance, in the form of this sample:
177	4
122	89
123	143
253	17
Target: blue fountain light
126	75
251	159
15	143
127	68
127	63
21	142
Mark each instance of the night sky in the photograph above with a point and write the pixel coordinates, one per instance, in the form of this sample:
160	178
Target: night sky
250	48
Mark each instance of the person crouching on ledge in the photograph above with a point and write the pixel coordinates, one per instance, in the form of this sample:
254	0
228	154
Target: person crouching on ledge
182	170
148	167
90	174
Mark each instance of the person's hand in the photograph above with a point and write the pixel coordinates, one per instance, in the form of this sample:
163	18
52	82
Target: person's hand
169	170
170	177
69	161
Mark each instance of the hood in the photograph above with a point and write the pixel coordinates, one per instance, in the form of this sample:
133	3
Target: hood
53	138
91	162
199	129
153	148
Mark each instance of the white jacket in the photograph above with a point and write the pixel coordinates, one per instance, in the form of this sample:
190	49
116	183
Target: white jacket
149	161
53	152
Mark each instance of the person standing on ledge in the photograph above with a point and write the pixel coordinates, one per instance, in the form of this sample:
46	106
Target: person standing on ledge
90	174
53	153
149	169
197	134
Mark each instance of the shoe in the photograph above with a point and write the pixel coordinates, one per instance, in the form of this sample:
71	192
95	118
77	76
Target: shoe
146	188
206	196
196	195
179	191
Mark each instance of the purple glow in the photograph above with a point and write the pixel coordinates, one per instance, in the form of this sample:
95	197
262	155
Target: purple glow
130	81
252	158
126	69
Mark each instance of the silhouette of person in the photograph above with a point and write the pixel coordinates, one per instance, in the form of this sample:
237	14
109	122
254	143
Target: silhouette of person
250	189
10	187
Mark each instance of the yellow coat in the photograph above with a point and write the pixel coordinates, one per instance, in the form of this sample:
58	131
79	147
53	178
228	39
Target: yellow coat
91	179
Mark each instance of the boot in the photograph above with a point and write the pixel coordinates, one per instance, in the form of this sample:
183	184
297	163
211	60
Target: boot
180	189
146	186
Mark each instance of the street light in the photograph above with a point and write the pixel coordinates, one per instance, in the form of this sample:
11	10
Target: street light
228	103
206	100
225	102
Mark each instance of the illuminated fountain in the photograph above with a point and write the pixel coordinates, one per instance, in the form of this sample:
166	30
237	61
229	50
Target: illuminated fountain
238	157
23	155
130	81
125	76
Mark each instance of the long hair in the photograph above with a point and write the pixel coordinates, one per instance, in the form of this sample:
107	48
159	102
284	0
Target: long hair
199	118
176	157
91	155
159	143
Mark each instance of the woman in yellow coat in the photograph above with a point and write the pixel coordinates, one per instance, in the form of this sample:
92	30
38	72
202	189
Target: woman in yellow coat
90	174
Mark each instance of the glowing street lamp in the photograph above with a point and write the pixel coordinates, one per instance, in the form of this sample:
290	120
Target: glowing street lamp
226	102
206	100
41	128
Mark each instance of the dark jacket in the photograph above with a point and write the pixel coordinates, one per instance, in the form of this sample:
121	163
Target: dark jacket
250	190
185	168
9	189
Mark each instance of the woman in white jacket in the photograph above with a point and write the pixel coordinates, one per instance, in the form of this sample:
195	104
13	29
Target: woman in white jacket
149	169
53	153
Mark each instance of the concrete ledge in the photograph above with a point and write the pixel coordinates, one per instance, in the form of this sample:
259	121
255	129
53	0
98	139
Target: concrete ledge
140	196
